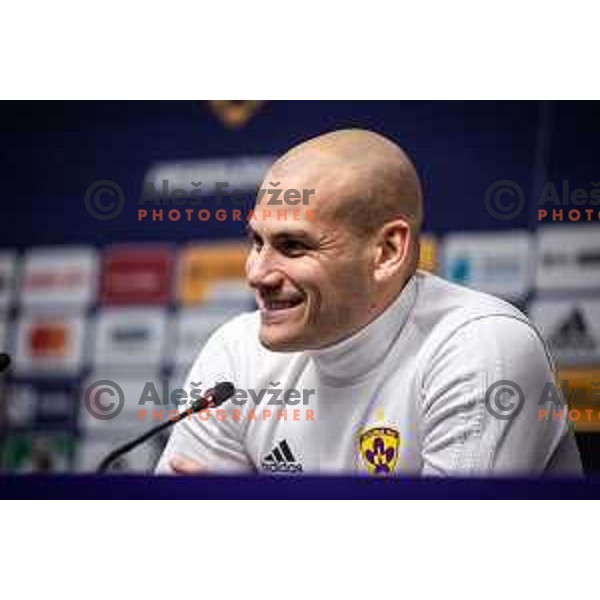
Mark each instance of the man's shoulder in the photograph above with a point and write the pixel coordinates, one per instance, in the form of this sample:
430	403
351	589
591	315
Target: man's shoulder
440	299
445	309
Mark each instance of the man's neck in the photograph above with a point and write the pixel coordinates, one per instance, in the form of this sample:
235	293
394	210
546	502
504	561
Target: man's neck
350	359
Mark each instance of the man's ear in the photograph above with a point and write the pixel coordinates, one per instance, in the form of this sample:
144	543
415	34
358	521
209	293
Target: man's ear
392	251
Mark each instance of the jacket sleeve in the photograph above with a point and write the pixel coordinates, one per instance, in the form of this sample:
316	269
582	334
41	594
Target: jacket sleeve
217	444
480	405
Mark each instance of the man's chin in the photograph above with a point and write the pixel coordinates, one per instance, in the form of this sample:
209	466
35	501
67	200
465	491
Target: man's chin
281	341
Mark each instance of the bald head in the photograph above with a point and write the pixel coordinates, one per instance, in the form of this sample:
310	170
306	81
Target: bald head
319	279
366	179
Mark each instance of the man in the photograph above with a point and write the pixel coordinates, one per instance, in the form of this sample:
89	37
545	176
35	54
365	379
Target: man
392	365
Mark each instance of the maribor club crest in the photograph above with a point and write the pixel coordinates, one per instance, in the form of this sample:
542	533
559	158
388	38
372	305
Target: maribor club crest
379	448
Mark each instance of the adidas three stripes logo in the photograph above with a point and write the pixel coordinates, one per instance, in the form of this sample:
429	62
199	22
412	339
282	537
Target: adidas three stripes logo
281	460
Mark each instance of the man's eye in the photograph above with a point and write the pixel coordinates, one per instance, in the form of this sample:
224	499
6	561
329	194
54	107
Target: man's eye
294	247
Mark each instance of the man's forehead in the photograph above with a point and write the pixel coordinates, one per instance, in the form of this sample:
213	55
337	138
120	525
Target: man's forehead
272	227
320	188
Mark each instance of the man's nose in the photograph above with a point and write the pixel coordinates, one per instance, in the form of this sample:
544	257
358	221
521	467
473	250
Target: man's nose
260	271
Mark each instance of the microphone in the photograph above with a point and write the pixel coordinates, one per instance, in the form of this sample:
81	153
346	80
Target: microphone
213	397
4	361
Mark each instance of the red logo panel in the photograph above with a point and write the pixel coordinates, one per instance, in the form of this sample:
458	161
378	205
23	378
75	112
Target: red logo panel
48	340
137	275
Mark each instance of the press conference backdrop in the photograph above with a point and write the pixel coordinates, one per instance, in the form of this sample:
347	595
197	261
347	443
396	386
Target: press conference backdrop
92	291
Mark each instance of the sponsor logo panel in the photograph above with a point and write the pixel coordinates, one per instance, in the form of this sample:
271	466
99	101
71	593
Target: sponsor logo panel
40	405
18	406
428	255
581	389
143	392
568	257
571	327
137	274
498	263
212	271
59	276
51	344
38	452
130	337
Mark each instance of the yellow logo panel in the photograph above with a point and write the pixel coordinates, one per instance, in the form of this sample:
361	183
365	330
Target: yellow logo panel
235	113
428	254
581	390
378	449
201	267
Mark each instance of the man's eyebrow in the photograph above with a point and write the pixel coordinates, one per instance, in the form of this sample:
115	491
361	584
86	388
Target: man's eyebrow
298	234
281	235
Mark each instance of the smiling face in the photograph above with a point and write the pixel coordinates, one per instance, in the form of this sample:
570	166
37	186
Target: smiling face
312	276
323	271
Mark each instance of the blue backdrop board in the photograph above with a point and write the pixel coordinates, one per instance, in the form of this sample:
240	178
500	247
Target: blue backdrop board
103	278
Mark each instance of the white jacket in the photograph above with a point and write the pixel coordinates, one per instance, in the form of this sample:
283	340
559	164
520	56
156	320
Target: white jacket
404	395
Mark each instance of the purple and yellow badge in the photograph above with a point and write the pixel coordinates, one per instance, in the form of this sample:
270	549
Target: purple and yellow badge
378	449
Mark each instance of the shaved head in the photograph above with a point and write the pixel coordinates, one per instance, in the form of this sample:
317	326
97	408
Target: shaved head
374	180
319	279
